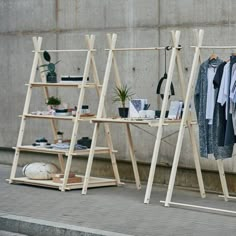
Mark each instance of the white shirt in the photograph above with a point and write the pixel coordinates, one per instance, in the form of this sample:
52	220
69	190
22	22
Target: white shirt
210	94
233	84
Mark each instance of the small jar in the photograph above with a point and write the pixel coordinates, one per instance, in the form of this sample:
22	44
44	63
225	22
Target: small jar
84	109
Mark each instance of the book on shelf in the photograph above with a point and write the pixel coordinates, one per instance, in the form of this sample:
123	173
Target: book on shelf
175	110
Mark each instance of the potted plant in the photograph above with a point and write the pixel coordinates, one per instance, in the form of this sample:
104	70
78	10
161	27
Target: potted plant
53	102
122	94
51	75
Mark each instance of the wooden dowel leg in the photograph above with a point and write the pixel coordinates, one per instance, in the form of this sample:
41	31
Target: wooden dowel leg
223	179
196	161
61	162
133	158
90	159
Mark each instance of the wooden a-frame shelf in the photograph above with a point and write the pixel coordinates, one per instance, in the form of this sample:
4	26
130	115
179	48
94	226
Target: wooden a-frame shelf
90	65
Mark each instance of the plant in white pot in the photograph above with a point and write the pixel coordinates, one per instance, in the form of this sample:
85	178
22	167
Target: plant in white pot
122	94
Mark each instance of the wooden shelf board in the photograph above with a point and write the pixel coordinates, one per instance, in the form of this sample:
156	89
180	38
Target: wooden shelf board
151	122
49	117
82	118
93	182
62	84
30	148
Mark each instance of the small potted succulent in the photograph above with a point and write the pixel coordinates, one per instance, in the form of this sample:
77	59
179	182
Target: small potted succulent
122	94
53	102
51	74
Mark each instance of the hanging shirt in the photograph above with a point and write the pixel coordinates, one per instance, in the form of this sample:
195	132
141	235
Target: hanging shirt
208	134
230	138
219	122
223	92
210	94
206	137
233	96
233	85
220	110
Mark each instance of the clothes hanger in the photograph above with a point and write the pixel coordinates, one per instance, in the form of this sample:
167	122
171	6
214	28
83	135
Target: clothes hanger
213	56
172	90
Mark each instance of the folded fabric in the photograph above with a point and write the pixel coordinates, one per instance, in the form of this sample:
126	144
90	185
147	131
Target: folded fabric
65	146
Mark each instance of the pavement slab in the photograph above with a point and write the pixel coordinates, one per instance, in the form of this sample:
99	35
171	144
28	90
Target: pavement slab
118	209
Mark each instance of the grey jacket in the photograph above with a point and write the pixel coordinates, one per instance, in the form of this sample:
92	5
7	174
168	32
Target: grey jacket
208	137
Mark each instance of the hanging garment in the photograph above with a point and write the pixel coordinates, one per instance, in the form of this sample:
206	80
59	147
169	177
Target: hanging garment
233	85
220	109
208	138
220	151
210	103
223	91
230	138
200	98
233	96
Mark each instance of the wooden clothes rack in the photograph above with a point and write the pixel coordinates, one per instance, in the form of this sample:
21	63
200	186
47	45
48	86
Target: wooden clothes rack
90	65
185	118
160	123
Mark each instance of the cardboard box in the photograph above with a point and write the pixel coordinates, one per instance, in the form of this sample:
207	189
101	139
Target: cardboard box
60	175
70	180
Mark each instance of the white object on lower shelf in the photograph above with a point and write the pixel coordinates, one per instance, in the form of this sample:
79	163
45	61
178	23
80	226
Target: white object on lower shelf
39	170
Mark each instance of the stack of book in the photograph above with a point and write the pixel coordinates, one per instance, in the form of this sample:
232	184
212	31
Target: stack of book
72	78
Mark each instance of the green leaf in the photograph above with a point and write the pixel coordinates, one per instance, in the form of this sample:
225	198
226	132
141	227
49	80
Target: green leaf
46	56
43	65
57	62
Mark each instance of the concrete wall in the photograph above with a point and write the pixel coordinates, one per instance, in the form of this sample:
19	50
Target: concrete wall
138	23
